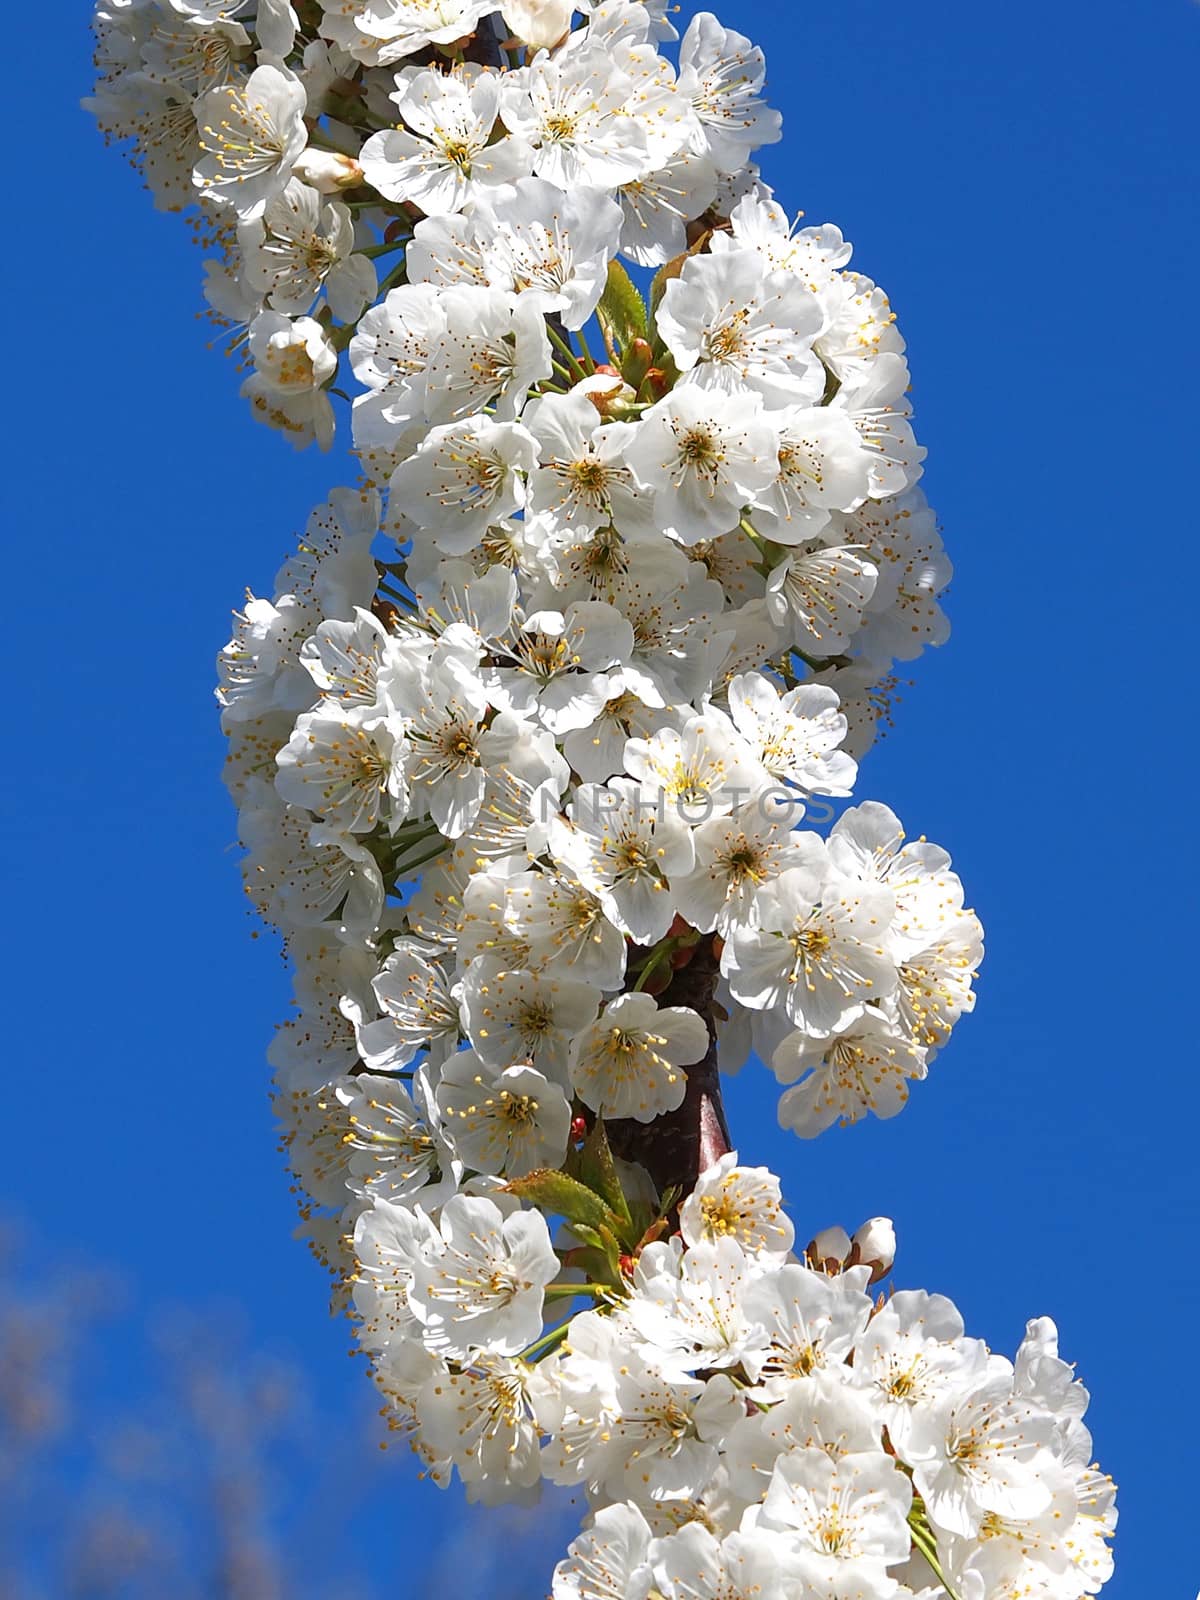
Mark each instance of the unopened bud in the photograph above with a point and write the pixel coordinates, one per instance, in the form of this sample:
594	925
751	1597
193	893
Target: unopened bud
828	1251
608	392
578	1128
638	356
540	23
327	171
874	1246
655	383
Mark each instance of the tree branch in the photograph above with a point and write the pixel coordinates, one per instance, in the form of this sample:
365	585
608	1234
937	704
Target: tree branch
676	1148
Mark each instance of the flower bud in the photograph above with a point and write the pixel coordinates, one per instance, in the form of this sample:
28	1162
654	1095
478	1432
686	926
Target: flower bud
874	1246
608	392
638	357
656	383
828	1251
387	613
540	23
327	171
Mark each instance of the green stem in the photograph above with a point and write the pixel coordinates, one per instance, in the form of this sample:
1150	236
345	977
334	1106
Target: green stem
564	347
405	600
396	276
821	663
662	955
588	363
418	827
388	245
923	1538
543	1346
423	861
752	532
610	343
597	1290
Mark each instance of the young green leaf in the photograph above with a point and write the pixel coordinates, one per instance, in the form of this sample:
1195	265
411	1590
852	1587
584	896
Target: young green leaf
556	1194
622	311
598	1171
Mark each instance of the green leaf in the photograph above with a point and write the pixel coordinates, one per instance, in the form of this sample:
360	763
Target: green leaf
663	277
622	310
598	1171
558	1195
602	1260
674	267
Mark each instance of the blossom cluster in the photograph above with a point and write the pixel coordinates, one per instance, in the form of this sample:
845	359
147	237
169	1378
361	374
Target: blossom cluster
586	834
533	747
502	185
752	1426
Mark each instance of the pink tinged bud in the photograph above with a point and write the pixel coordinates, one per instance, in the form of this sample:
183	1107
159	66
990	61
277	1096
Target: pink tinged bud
608	392
828	1251
327	171
874	1246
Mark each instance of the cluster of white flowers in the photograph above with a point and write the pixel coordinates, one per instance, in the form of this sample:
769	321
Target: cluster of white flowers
528	749
749	1427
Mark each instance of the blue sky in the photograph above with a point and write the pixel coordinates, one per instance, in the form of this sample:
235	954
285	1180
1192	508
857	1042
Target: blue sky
1021	180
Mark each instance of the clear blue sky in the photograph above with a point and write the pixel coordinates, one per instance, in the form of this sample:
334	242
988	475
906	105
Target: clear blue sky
1022	181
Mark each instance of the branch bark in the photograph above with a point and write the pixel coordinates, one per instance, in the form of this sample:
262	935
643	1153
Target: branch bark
676	1148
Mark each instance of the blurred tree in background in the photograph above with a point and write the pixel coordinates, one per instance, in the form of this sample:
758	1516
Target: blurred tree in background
164	1456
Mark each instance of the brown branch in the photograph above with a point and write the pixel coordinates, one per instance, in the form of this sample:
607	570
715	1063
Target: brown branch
676	1148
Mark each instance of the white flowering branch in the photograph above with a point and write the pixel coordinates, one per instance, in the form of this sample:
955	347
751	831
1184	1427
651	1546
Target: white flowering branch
533	749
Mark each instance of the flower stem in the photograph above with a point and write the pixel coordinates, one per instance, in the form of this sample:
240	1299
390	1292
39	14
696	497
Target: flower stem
659	958
563	346
388	245
588	363
549	1341
923	1539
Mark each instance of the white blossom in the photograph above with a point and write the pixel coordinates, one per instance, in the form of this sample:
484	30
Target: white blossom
705	454
251	135
820	949
550	248
572	110
739	1203
846	1518
465	476
723	74
734	327
628	1062
478	1282
447	160
302	244
293	361
512	1017
626	848
504	1121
